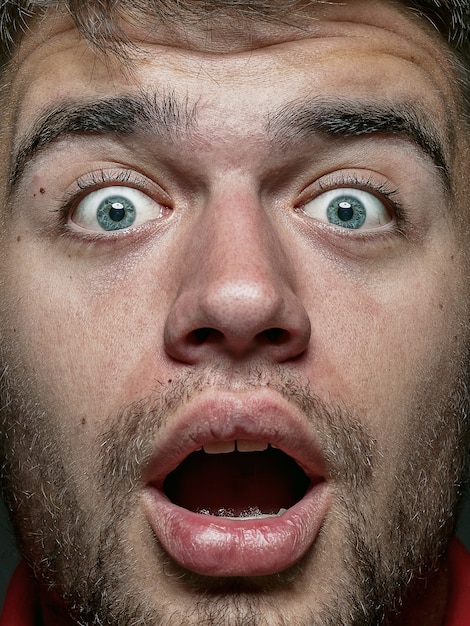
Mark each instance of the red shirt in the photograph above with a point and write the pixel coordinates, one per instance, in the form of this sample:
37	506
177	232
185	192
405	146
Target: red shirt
458	608
21	606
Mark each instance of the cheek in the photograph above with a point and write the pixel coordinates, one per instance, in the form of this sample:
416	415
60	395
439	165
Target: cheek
390	347
82	340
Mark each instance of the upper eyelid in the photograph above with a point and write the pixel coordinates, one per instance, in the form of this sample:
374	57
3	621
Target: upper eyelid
92	181
364	182
365	179
94	178
108	176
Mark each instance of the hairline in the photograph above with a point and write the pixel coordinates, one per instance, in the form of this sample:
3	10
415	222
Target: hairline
111	40
109	36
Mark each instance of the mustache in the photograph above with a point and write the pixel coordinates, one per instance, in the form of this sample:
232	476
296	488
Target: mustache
127	445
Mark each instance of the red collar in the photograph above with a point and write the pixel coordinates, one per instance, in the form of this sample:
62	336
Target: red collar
458	609
21	605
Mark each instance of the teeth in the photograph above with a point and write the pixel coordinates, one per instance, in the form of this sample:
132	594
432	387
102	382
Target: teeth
242	445
249	514
255	513
219	447
247	445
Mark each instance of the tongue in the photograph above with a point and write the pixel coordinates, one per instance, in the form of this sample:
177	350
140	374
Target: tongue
237	484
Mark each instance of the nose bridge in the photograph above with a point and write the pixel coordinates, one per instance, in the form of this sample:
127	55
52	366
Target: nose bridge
238	265
240	245
236	295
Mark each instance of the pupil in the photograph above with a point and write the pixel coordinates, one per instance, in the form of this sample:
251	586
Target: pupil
345	211
117	212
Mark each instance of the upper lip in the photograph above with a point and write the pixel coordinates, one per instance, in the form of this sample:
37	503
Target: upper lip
219	415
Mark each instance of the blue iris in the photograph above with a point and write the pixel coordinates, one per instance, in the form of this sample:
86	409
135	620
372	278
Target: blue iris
116	213
347	212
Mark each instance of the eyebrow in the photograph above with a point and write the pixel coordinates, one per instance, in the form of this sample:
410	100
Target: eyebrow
349	119
119	115
167	115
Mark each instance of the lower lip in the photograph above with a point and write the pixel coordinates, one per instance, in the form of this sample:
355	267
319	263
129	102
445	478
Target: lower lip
218	546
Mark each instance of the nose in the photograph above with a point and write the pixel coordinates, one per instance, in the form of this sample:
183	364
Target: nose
236	292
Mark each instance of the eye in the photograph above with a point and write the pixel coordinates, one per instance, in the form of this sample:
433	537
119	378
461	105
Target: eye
354	209
115	208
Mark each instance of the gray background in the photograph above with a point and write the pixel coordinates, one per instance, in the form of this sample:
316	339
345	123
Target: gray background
9	557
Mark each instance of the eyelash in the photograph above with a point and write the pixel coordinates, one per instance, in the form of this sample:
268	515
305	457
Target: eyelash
97	180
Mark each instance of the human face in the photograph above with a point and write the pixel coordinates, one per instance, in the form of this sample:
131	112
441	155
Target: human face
254	239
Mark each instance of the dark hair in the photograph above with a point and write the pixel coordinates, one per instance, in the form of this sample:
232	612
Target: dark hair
98	20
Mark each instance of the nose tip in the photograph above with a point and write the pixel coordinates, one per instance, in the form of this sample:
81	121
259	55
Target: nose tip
237	319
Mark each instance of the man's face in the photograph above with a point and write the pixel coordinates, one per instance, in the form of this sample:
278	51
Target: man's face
233	319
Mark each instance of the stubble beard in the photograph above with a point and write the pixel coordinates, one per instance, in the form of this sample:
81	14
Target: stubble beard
88	562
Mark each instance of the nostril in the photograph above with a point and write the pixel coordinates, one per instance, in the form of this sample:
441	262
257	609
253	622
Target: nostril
276	336
201	335
199	327
273	336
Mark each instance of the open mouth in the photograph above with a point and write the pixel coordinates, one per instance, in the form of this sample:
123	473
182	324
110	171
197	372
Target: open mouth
237	479
237	485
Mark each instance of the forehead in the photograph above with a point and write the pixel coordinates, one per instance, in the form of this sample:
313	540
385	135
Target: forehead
237	71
